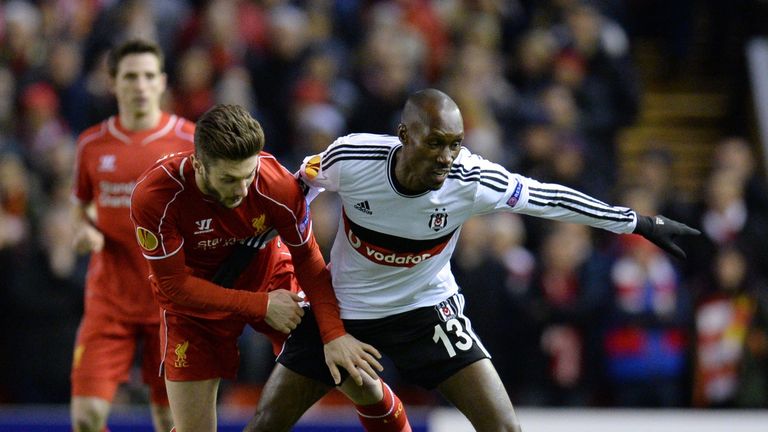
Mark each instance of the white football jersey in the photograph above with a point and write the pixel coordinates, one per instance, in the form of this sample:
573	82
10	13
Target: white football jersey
392	250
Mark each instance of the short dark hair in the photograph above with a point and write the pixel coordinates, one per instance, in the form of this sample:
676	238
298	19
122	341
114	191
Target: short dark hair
227	132
133	46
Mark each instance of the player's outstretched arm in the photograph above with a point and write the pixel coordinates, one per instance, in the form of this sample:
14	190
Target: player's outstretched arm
353	355
662	231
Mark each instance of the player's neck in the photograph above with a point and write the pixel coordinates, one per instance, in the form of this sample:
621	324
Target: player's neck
140	122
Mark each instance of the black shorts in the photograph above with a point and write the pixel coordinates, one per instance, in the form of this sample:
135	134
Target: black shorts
427	345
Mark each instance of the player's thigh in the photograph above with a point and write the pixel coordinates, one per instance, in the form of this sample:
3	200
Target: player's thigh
428	345
197	349
103	355
303	351
285	397
193	404
478	392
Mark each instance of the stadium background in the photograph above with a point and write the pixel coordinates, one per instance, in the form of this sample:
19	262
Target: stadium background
647	103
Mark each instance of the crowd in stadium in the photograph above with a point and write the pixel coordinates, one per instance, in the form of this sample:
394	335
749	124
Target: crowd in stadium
572	316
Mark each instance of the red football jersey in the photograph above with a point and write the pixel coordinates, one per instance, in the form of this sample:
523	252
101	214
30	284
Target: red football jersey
184	232
109	161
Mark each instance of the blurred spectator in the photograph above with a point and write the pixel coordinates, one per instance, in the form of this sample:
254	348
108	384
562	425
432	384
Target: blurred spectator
645	338
531	68
193	94
100	102
726	220
736	154
731	367
46	285
391	57
64	70
594	63
656	176
567	292
8	113
235	87
22	48
42	126
275	70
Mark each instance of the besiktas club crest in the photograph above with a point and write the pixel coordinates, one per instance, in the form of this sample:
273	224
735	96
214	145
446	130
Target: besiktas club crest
438	220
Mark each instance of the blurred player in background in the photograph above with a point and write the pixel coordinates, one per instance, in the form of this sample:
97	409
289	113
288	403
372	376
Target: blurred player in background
120	311
193	213
405	199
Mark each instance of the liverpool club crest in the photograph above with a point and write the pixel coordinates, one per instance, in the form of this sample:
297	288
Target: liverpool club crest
438	220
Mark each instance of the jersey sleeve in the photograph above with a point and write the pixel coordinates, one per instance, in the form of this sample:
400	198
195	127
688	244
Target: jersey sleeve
83	187
558	202
500	190
153	203
152	211
290	212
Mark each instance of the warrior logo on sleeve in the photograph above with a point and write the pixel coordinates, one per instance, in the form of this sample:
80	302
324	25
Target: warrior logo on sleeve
146	239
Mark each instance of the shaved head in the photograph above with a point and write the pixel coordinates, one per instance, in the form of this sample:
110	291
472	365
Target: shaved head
430	107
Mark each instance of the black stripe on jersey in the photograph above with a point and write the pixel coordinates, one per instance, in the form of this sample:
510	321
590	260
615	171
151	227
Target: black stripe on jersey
555	191
575	201
356	157
327	163
394	243
362	151
492	179
573	196
260	240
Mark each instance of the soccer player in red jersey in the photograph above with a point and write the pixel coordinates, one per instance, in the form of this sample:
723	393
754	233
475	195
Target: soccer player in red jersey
119	307
191	213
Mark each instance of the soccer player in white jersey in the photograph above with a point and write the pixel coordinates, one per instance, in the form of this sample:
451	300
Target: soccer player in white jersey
404	200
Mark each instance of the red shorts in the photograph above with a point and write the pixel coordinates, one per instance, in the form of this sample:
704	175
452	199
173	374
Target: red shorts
199	349
104	352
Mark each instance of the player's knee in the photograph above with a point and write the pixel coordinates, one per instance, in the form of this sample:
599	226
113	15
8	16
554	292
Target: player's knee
368	393
88	422
89	414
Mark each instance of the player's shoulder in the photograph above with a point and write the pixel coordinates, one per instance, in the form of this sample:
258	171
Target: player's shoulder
365	142
167	176
359	147
470	160
271	173
94	134
274	180
184	129
471	169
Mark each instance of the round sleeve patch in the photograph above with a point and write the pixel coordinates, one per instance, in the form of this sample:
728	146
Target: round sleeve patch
146	238
312	167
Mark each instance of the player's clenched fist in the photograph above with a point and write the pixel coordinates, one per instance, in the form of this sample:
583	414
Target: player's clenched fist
283	310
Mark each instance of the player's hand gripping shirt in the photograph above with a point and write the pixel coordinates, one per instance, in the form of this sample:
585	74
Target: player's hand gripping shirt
185	235
392	250
109	161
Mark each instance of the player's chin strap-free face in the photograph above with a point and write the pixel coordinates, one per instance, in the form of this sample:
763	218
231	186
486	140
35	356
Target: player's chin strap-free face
661	231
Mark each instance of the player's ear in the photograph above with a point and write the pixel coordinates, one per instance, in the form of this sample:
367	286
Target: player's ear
196	164
402	133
